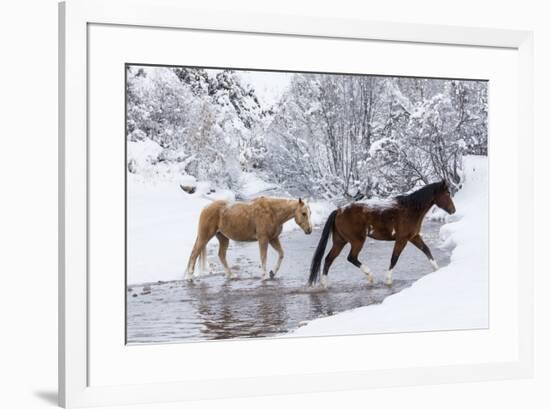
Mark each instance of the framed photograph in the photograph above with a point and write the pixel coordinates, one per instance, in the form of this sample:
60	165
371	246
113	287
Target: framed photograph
258	204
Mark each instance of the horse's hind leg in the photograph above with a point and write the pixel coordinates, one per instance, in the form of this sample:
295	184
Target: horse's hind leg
419	243
356	246
222	252
337	246
208	226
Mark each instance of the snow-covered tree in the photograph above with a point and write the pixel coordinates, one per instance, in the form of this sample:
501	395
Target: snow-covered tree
327	136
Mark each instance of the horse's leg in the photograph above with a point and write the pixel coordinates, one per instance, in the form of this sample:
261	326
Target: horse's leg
276	244
263	256
356	246
419	243
398	247
222	252
337	246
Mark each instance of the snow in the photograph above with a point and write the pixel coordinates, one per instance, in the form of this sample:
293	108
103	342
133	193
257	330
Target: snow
251	185
146	167
144	153
378	203
454	297
268	85
400	98
378	145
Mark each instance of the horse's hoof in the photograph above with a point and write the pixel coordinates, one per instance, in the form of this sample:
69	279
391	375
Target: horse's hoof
271	275
389	283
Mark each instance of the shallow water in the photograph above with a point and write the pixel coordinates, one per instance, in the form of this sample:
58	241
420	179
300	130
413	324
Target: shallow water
212	307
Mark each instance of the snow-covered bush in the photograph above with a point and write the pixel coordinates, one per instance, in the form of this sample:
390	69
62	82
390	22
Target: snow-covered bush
201	119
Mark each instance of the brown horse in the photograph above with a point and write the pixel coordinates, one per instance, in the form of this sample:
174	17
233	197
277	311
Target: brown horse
260	220
398	219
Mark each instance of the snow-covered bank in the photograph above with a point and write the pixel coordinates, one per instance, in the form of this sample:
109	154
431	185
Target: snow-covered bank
454	297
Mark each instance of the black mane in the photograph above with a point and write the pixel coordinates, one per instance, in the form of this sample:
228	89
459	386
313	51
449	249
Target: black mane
423	196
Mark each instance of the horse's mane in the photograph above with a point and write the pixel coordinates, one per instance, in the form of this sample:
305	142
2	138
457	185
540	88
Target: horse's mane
422	197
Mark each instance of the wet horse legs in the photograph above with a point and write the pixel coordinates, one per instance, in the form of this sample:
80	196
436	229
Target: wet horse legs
263	257
337	247
222	252
419	243
276	244
356	247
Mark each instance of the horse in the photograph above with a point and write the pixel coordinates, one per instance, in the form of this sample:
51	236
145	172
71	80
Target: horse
398	219
259	220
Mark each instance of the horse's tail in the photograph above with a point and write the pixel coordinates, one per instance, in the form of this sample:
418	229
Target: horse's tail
202	258
320	251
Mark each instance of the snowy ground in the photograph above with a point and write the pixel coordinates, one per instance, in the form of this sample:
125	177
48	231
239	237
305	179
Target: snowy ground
454	297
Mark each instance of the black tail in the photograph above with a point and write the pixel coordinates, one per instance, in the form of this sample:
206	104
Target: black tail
320	251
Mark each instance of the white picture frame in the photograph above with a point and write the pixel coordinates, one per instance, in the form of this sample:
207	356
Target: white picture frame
75	18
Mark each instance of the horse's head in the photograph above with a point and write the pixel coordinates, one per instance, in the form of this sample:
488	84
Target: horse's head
302	215
443	198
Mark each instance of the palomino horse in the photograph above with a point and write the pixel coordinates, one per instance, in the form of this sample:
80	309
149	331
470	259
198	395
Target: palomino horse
398	219
260	220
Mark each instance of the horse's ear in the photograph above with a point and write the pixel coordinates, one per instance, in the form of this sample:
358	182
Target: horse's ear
300	201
